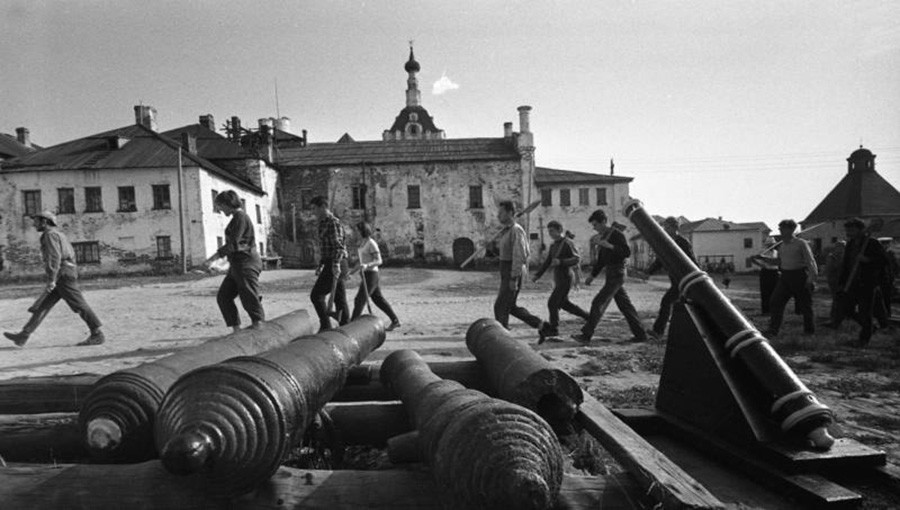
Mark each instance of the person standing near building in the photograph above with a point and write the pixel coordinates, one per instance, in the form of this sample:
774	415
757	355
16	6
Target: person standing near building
768	275
670	225
62	283
244	264
513	247
369	260
613	250
798	277
563	257
333	254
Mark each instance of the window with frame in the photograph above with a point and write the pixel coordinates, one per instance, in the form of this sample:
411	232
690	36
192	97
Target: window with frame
262	249
584	196
748	242
244	204
359	196
93	199
87	252
214	194
306	195
32	200
126	199
601	196
258	215
476	200
163	247
546	197
413	199
66	198
565	197
161	197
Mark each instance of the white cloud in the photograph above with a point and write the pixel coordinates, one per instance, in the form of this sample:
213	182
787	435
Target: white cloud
443	85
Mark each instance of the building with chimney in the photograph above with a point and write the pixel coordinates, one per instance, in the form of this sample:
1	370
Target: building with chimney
861	193
431	197
127	197
18	145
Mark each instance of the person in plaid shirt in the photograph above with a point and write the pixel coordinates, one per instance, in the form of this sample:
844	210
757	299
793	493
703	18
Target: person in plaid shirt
333	255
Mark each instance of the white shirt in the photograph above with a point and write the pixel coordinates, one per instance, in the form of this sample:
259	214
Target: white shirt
369	255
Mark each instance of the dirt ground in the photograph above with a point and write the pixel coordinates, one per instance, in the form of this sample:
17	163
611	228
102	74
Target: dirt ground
146	318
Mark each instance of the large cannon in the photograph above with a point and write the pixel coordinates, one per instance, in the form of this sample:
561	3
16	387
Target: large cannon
790	403
116	418
234	422
519	374
484	452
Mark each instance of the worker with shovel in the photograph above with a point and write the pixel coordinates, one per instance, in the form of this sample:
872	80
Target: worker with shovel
333	255
369	260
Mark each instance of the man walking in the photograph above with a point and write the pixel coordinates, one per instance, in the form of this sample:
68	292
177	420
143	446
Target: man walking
333	253
613	250
62	283
670	225
798	277
513	247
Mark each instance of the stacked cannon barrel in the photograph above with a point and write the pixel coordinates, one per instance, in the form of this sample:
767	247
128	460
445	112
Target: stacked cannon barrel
116	418
483	452
234	422
792	405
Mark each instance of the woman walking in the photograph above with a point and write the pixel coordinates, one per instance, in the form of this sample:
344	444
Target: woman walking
245	264
369	260
563	257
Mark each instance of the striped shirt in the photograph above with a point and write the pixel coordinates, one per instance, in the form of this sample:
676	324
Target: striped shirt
331	238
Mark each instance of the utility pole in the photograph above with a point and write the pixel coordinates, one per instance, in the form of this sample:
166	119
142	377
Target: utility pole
181	215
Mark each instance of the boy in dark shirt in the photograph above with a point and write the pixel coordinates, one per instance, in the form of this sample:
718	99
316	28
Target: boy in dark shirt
563	257
670	225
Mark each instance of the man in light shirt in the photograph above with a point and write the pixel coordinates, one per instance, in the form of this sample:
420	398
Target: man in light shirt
798	277
513	247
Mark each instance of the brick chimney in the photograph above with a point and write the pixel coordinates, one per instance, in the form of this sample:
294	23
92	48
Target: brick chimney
235	134
524	112
208	121
23	136
507	130
189	142
145	116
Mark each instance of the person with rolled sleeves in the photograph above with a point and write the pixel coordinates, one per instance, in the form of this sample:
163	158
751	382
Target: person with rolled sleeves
58	257
333	249
563	258
242	279
798	277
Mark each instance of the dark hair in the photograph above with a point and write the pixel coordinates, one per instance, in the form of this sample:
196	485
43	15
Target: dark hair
508	205
319	201
855	223
364	229
229	198
791	224
671	221
555	225
570	235
599	216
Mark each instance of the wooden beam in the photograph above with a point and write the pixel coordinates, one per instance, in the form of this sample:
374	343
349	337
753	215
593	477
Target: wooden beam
148	485
54	394
659	477
41	438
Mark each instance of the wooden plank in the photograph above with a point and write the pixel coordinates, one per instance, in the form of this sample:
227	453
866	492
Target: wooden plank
845	454
50	437
148	485
658	476
642	420
54	394
811	489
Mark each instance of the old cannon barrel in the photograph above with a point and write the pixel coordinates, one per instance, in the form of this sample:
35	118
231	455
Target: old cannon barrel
234	422
519	374
484	452
116	418
793	406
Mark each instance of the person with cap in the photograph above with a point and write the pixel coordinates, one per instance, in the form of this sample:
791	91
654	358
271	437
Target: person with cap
670	225
611	254
798	277
62	283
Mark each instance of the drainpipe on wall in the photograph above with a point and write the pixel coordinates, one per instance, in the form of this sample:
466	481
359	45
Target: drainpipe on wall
181	215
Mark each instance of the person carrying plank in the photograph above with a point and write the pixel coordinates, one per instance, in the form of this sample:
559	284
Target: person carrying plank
370	287
62	283
670	225
564	258
333	252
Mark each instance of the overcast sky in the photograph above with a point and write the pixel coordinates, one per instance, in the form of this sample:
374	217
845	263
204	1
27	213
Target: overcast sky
741	109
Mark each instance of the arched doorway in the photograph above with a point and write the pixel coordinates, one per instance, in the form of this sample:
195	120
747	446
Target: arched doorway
463	248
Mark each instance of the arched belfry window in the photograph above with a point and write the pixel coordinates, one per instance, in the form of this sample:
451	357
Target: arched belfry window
413	117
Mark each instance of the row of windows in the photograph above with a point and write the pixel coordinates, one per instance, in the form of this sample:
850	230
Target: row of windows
93	199
413	197
88	252
565	197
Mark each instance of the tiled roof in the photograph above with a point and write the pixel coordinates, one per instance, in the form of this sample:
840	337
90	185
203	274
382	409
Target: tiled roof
543	175
399	151
139	148
210	145
859	194
11	148
717	225
422	118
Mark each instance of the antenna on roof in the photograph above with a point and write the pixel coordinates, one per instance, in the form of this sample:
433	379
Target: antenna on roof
277	110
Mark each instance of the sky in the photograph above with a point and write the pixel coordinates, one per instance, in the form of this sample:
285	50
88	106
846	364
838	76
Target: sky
740	109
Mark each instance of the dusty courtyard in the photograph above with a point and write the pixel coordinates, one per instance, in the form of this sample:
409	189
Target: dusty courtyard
146	318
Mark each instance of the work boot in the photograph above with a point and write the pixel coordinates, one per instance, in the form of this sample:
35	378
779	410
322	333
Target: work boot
18	338
96	338
394	325
581	337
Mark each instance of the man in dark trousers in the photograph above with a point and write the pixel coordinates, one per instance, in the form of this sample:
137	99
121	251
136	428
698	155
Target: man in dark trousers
768	277
861	273
798	277
62	283
613	250
670	225
513	247
333	253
